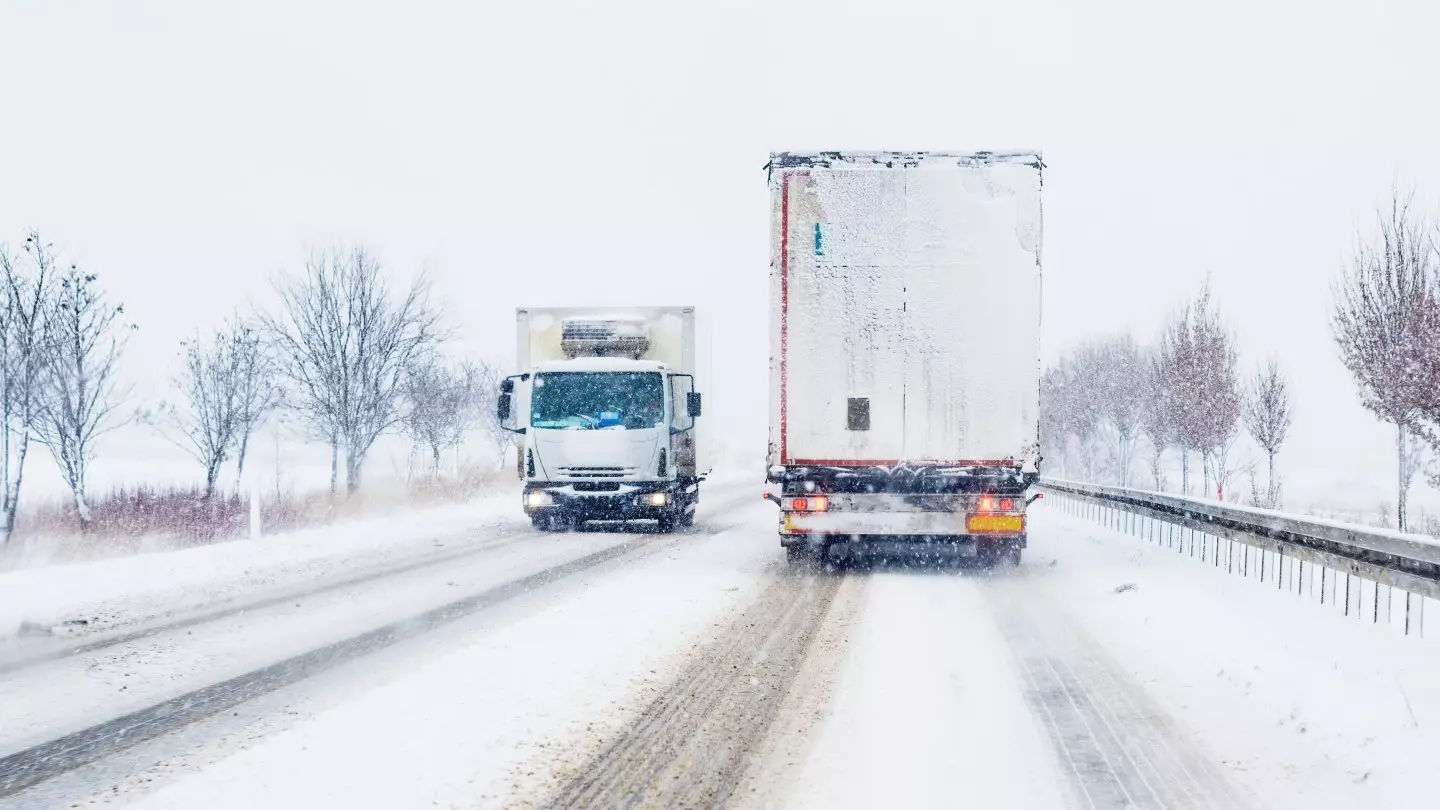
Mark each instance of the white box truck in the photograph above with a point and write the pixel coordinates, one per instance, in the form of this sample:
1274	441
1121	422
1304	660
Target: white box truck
607	410
905	350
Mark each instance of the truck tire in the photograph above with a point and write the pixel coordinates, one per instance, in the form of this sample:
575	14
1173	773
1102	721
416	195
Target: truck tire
553	523
1001	556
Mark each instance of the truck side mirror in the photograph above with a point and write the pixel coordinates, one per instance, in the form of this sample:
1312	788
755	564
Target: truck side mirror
502	405
692	403
507	385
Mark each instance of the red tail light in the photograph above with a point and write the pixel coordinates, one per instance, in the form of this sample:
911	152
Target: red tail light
989	504
813	503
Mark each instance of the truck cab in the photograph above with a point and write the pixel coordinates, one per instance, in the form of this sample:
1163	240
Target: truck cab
606	434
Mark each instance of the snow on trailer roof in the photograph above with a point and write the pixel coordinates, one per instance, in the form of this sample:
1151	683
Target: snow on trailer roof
867	159
601	364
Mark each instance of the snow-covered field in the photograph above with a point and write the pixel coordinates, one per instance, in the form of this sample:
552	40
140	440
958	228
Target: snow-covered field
105	594
699	670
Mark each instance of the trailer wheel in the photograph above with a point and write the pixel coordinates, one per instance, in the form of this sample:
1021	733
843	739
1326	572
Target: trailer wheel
1000	556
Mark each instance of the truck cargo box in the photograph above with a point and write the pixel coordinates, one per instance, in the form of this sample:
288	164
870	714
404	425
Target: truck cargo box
905	309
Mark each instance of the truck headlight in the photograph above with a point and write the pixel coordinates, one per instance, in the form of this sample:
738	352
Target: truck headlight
538	499
657	499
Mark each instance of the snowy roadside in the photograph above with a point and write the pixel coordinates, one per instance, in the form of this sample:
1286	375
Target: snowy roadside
488	720
1301	704
88	597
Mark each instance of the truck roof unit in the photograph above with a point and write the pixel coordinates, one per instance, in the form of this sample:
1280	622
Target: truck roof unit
621	336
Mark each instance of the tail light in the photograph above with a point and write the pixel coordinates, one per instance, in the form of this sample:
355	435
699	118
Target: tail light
808	503
990	504
994	514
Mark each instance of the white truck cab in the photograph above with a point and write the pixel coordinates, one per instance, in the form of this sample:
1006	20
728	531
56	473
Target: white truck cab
609	432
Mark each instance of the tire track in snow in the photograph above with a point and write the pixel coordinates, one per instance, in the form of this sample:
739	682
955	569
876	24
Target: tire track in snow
35	764
499	538
690	746
1120	749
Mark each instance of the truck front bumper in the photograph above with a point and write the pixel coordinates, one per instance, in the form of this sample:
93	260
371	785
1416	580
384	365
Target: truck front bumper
630	502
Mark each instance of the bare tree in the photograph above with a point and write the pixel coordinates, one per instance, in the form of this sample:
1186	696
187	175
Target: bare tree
492	429
1055	418
77	401
224	389
1221	460
344	342
1156	420
205	415
29	288
1174	370
1198	360
1121	396
1383	323
1219	388
257	392
440	406
1267	412
1085	401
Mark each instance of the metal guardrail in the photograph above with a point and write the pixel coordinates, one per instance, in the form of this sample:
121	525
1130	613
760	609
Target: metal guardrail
1379	556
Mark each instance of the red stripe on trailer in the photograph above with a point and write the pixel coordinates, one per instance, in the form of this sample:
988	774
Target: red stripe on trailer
784	312
854	462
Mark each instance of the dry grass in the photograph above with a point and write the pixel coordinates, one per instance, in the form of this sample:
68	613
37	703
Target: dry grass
128	520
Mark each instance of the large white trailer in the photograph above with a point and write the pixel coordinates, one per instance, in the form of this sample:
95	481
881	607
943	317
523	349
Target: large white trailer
606	407
905	349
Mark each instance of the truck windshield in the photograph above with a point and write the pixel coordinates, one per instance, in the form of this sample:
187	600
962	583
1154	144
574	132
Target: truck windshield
613	400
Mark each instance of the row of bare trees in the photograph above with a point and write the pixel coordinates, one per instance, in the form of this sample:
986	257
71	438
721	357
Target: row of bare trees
351	356
1386	322
1181	394
60	344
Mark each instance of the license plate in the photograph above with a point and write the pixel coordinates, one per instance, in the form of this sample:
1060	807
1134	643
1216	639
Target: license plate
995	524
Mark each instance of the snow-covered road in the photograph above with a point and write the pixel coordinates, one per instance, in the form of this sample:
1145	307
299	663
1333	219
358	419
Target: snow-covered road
606	669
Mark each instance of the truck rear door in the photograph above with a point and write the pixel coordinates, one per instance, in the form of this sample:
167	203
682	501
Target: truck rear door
843	335
971	319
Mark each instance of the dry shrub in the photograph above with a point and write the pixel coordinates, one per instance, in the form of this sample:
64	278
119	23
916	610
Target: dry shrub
128	520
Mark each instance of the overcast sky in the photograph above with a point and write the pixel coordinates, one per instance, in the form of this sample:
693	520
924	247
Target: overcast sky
588	153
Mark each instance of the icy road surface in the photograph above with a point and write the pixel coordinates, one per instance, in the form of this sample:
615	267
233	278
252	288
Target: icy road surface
606	669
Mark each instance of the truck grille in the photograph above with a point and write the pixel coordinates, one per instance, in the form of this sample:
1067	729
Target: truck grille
597	472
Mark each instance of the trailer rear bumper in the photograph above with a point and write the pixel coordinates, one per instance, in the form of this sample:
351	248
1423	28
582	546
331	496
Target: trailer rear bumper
988	550
902	525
